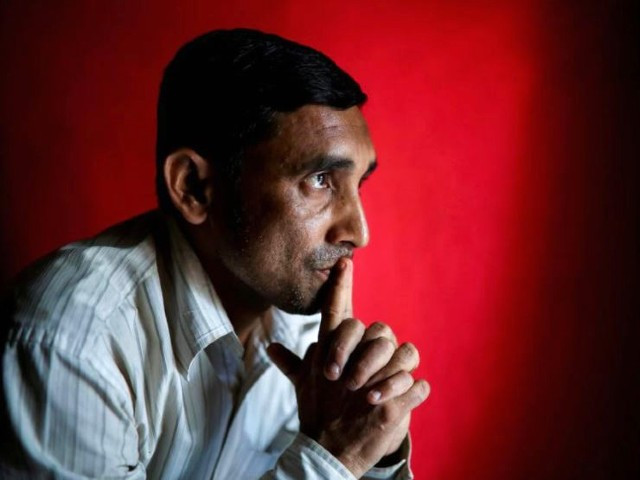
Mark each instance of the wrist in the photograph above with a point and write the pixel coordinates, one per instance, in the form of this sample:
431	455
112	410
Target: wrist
394	458
315	457
345	455
354	465
391	459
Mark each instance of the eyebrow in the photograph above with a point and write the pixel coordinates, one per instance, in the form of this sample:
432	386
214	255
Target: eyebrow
334	162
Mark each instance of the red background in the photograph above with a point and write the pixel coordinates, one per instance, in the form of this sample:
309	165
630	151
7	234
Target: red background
503	216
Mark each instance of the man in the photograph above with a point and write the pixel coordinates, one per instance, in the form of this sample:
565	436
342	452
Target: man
148	350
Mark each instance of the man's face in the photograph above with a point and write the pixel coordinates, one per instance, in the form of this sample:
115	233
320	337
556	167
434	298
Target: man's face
300	207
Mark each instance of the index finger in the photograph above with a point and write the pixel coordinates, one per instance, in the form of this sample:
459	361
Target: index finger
338	304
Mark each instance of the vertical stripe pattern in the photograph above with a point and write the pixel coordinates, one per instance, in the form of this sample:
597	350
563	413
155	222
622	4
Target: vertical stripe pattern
121	363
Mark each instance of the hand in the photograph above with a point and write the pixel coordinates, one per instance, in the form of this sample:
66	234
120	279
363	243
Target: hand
355	429
369	357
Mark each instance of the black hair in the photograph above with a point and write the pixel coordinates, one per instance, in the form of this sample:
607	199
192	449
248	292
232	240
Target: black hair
221	92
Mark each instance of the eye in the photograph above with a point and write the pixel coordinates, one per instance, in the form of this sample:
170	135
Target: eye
319	180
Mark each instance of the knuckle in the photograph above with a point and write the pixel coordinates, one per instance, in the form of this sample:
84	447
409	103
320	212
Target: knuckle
389	386
426	390
353	324
383	344
400	382
421	391
404	378
339	348
410	348
339	351
380	328
408	352
378	325
343	326
348	322
361	370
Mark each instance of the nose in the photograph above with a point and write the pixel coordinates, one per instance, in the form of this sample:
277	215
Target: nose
350	225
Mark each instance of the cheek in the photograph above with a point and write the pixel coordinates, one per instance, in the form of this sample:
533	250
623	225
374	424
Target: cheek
295	230
286	226
311	219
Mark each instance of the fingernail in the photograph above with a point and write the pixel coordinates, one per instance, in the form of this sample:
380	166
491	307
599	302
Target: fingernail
352	385
334	370
374	395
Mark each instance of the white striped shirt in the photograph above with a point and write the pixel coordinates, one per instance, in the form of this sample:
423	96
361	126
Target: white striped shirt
122	363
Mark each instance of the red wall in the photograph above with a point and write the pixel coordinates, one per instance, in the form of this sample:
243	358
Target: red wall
503	216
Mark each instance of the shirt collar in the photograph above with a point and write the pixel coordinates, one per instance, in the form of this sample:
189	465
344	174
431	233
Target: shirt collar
195	314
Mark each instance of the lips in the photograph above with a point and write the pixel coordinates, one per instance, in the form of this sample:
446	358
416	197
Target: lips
323	266
324	273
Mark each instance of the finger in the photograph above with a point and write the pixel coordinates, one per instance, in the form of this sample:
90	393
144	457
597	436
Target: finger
393	411
406	357
288	362
342	342
338	304
389	388
417	394
370	358
379	329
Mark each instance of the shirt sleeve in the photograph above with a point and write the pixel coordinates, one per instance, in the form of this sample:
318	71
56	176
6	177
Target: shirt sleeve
305	458
63	418
399	471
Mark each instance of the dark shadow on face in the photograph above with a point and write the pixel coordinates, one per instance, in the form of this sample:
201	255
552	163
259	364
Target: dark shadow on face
297	207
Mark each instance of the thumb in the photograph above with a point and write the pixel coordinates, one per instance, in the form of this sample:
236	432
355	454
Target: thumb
287	361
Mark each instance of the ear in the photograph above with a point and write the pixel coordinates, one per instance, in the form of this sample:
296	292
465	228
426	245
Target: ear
188	179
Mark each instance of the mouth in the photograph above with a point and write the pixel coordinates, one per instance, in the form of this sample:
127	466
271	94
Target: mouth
323	269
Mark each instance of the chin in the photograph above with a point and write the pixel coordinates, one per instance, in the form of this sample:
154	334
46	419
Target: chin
299	308
300	304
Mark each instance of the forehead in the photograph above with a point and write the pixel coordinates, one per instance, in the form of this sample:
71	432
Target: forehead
315	130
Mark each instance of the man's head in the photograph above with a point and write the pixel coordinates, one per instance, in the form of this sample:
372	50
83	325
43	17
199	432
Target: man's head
261	151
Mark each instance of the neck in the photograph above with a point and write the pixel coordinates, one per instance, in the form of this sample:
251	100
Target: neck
243	306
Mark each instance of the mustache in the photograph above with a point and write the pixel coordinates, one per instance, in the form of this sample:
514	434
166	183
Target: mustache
326	257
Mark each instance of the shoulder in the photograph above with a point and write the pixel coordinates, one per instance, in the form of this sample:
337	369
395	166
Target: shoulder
73	292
